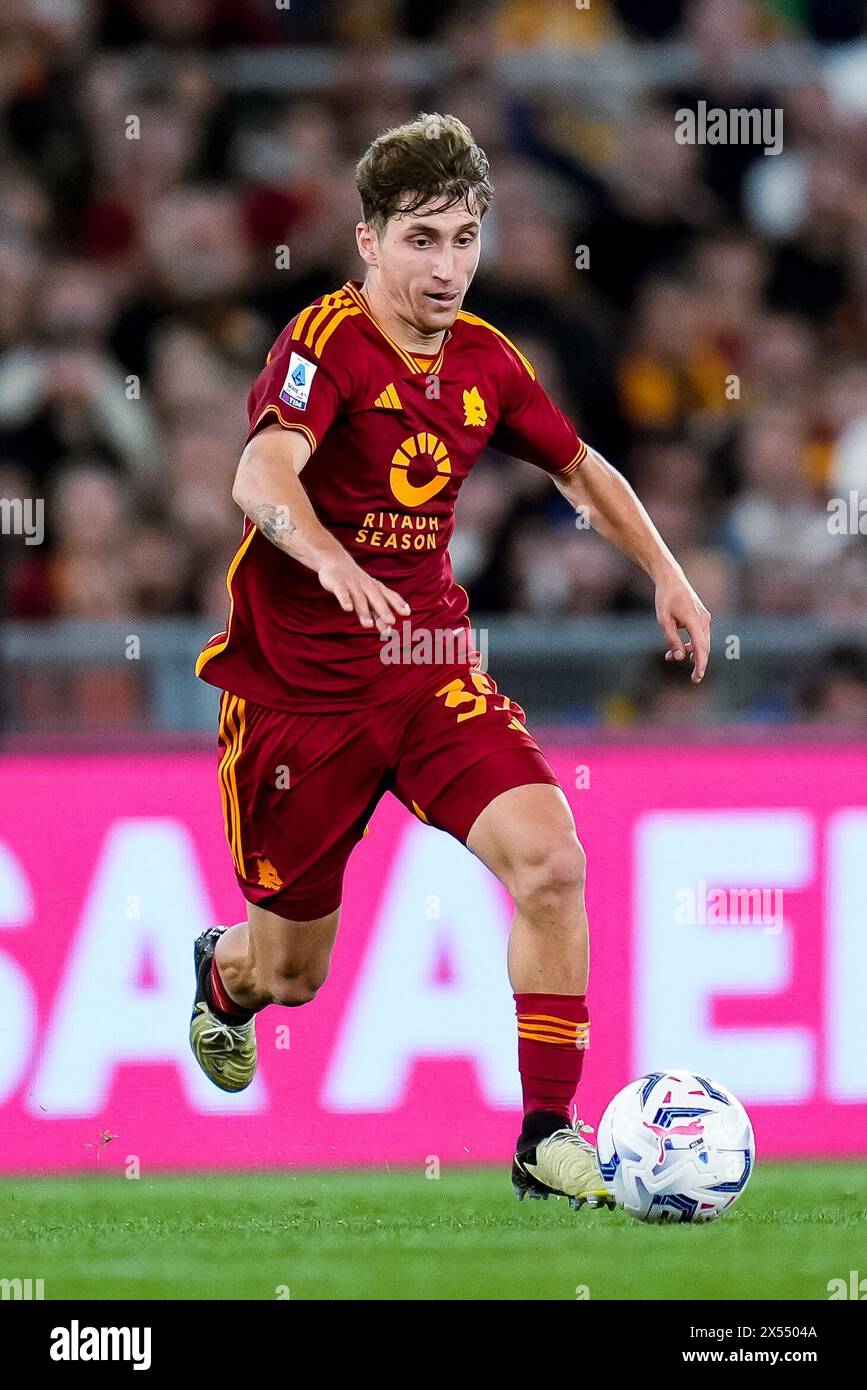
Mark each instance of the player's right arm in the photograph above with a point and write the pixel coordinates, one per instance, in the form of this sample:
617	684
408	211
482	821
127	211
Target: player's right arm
268	490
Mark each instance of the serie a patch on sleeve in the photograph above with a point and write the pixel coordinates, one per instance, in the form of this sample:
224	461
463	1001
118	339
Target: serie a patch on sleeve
299	378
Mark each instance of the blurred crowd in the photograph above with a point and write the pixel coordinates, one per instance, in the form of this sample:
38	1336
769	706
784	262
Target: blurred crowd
700	310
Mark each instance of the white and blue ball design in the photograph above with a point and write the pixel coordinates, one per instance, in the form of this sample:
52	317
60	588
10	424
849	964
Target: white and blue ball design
673	1146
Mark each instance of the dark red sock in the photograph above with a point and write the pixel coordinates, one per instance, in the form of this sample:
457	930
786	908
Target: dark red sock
221	1000
553	1034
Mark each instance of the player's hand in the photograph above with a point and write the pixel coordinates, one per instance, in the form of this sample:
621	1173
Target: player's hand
373	604
679	606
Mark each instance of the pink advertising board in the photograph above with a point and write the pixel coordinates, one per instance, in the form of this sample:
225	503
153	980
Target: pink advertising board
728	901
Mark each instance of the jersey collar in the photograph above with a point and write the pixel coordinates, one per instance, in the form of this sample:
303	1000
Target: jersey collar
410	360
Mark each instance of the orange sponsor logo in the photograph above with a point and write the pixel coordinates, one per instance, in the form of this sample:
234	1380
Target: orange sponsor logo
411	452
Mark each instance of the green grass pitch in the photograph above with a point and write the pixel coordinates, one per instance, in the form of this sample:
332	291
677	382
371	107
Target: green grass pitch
400	1235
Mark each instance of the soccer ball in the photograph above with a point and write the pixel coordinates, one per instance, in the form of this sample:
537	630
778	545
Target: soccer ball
675	1147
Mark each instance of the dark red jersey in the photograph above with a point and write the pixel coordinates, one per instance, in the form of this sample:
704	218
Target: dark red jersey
393	437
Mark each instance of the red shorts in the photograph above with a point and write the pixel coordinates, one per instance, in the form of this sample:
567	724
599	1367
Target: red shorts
299	789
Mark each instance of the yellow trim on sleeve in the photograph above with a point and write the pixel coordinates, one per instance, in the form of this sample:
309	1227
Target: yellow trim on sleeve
289	425
573	464
300	323
310	320
316	323
330	327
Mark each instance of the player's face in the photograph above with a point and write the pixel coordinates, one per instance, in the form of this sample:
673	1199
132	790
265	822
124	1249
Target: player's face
426	261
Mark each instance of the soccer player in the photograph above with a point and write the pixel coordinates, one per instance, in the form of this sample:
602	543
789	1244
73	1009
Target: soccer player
374	404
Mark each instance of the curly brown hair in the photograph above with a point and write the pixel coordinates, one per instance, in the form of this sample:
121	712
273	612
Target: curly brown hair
431	158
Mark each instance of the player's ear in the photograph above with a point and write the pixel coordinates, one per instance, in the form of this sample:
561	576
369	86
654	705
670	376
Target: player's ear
368	243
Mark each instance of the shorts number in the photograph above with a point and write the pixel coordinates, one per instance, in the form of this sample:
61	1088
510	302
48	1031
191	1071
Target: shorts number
457	695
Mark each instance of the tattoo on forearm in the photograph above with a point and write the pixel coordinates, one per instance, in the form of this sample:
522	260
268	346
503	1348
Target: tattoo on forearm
275	523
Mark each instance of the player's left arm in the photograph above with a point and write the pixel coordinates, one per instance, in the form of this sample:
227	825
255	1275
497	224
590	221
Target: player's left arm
605	498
